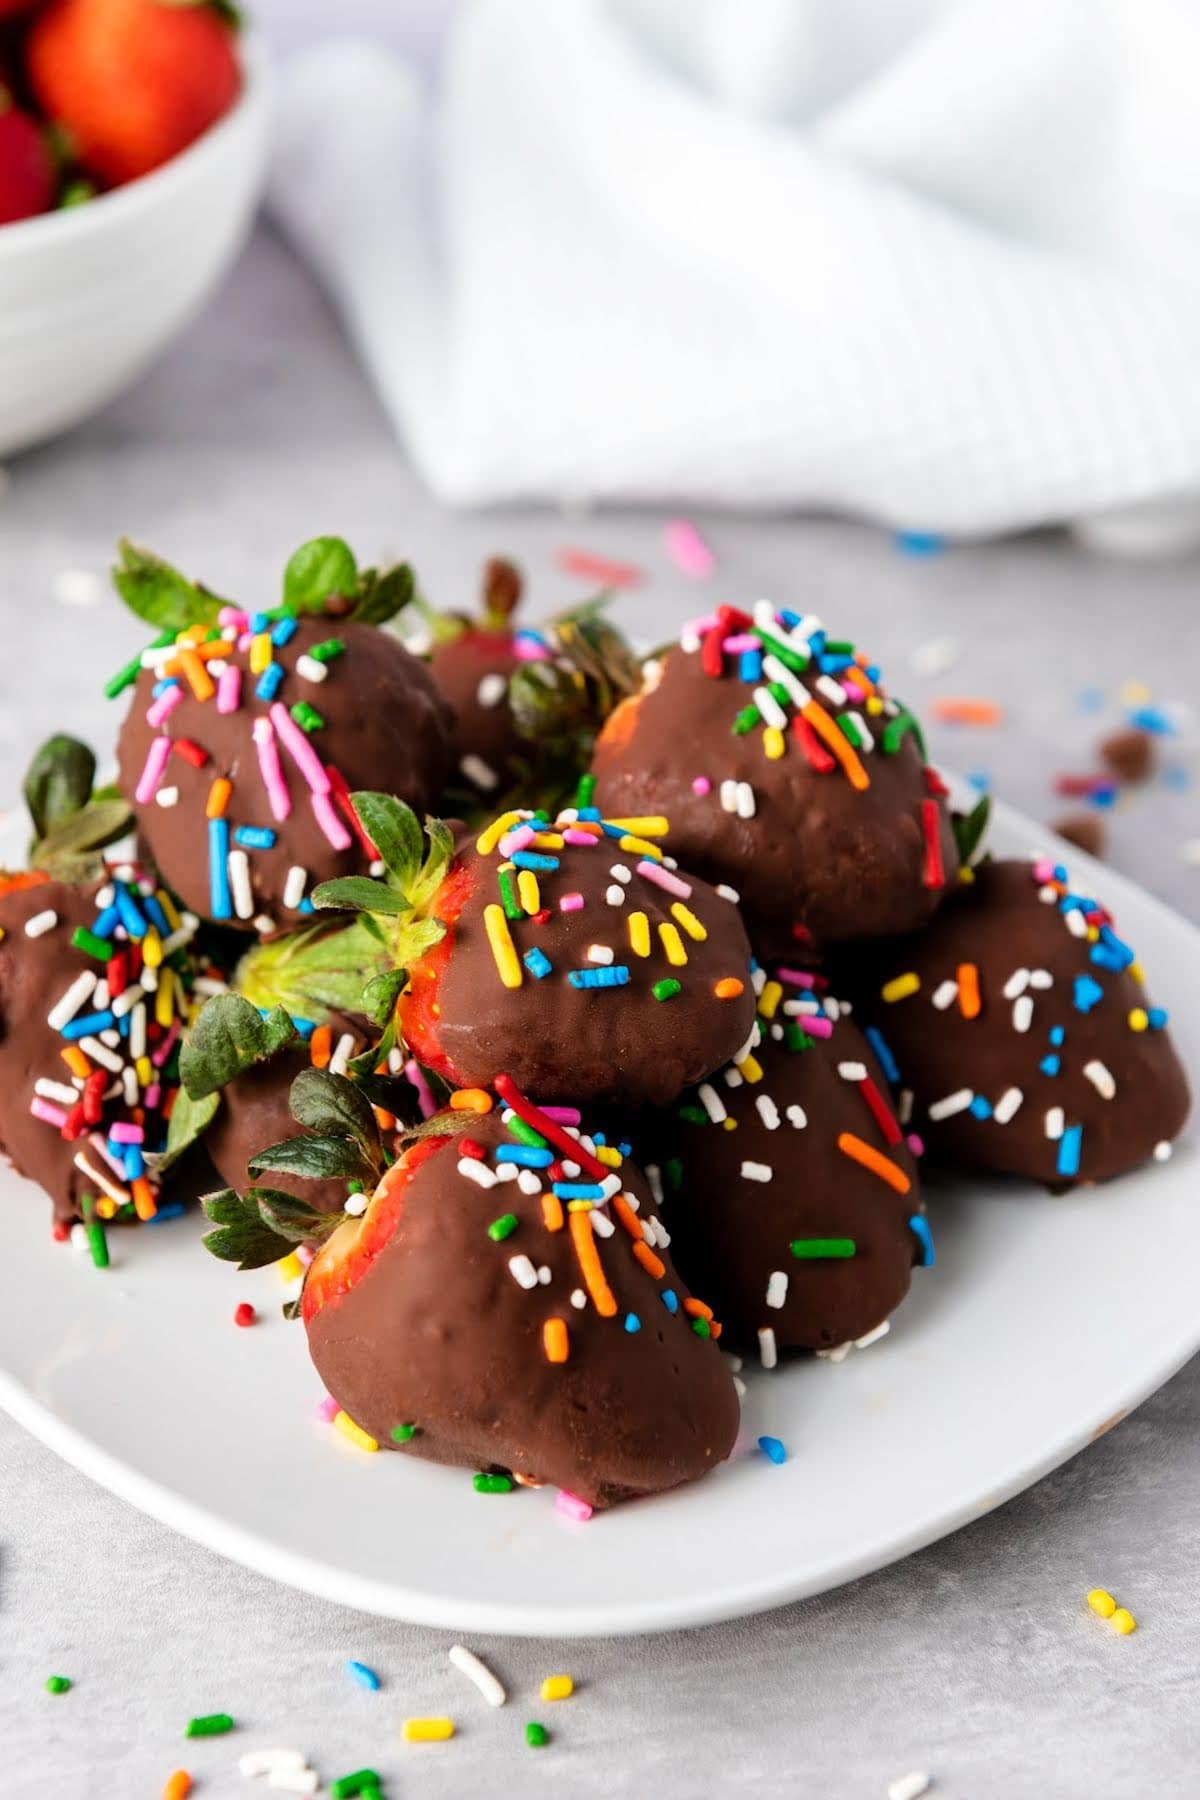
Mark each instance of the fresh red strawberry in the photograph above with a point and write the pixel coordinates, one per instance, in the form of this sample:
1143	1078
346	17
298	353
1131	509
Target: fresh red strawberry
10	8
26	166
347	1255
133	82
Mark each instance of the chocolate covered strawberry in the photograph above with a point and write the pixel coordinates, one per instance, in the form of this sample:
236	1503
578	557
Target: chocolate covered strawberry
27	174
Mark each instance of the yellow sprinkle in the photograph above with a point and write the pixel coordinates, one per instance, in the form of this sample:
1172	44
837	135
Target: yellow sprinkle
357	1435
558	1687
768	1000
639	934
476	1100
729	1122
637	846
672	943
290	1267
528	892
689	921
145	1071
3	934
874	705
1134	693
164	1000
774	743
487	840
170	908
901	987
966	874
1136	973
218	798
106	1207
1139	1018
549	840
191	634
260	652
1093	934
653	825
508	964
579	1206
1102	1602
609	1155
750	1069
1123	1622
152	951
426	1731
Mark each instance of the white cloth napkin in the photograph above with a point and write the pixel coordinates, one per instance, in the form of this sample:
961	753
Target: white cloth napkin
934	263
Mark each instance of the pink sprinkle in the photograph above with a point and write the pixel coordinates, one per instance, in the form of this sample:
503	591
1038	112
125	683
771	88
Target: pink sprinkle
816	1027
153	1094
701	785
126	1134
853	691
698	627
688	550
331	825
328	1409
152	774
516	839
48	1113
301	751
584	839
527	649
916	1144
571	902
268	766
164	706
570	1504
425	1099
663	878
245	641
165	1048
303	1254
1043	870
797	977
100	1146
229	689
603	569
735	646
233	615
562	1115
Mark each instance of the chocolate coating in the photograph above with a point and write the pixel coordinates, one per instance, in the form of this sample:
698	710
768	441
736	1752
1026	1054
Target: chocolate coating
615	1045
840	861
1000	926
468	670
386	727
416	1318
732	1234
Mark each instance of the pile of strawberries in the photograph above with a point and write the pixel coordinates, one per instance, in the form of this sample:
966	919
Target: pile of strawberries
94	93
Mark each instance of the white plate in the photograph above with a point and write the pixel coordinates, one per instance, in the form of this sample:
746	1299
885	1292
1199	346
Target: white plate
1045	1321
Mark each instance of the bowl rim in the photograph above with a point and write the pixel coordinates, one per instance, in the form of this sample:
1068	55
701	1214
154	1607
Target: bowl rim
146	190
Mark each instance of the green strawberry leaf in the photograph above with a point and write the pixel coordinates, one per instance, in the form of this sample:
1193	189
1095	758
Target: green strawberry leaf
58	782
190	1119
159	594
358	893
364	1065
70	850
379	999
316	572
242	1236
294	1219
332	1105
395	831
317	1159
229	1036
315	972
969	830
382	593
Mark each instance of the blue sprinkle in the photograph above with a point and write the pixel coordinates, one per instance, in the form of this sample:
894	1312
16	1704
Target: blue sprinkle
625	1149
750	666
135	1162
530	859
1057	1034
365	1677
1109	956
670	1300
306	905
87	1025
816	642
174	1209
789	618
106	922
611	830
255	837
1091	700
1087	993
1068	1150
981	1108
123	1025
526	1156
526	636
283	633
632	1322
980	780
160	687
130	912
616	975
577	1190
1157	1015
1151	718
258	622
888	1063
305	1027
220	899
591	813
156	915
772	1448
538	963
833	665
874	672
270	681
919	1226
1103	795
919	543
1050	1065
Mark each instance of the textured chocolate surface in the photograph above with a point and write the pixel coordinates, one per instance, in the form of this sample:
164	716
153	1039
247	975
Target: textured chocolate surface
386	727
468	671
415	1317
1035	978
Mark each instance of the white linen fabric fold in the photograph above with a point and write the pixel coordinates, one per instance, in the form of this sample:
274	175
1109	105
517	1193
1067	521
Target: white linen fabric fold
936	264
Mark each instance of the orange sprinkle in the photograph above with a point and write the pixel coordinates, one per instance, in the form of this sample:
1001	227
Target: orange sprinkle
969	1001
861	678
951	710
143	1198
729	987
590	1266
178	1786
552	1212
698	1309
168	1105
76	1061
476	1100
838	746
206	653
320	1047
218	798
627	1216
385	1120
872	1159
556	1340
199	679
652	1264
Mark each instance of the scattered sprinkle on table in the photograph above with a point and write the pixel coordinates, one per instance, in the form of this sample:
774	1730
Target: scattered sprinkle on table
244	1314
366	1782
773	1448
558	1687
208	1725
427	1731
177	1785
478	1673
536	1736
1119	1617
58	1684
910	1787
365	1677
492	1484
951	709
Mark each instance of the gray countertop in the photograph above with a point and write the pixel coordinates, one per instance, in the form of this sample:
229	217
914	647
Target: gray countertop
974	1660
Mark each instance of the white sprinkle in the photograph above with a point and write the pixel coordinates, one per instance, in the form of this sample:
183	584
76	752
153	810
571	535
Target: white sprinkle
356	1205
491	690
951	1104
909	1787
599	953
377	868
611	1184
128	1000
838	1354
1055	1121
105	897
777	1287
858	722
872	1337
1022	1013
758	979
294	886
733	1361
602	1225
209	985
100	997
529	1181
768	1355
729	796
507	1172
149	980
1077	925
797	1117
945	994
571	1169
1041	979
769	707
1008	1105
102	1181
615	895
852	1071
460	1657
309	669
96	1050
1101	1078
41	923
129	1084
712	1103
745	800
522	1271
775	671
478	1172
479	773
1048	896
730	894
1016	984
833	1008
263	1762
768	1112
395	1061
756	1171
167	796
217	665
934	656
110	1037
578	1299
904	1106
294	1781
1163	1151
80	1240
239	881
544	1275
56	1090
833	690
341	1056
137	1029
689	642
733	1078
653	1175
81	989
622	873
739	1387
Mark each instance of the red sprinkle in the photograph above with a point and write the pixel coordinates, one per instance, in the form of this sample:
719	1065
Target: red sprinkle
884	1117
60	1231
471	1147
814	750
93	1096
117	975
734	619
554	1134
245	1314
76	1124
190	752
544	917
599	568
934	783
934	873
341	794
711	659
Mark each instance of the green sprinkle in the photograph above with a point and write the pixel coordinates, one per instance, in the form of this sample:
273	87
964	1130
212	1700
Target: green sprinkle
327	649
791	659
58	1684
536	1736
208	1725
823	1249
693	1115
525	1134
746	720
403	1434
91	945
493	1484
512	906
94	1228
667	988
502	1227
895	731
796	1038
838	647
363	1781
585	790
128	675
702	1328
778	692
849	730
307	717
674	1171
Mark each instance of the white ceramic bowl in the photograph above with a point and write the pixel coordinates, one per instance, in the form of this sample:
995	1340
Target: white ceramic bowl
91	295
